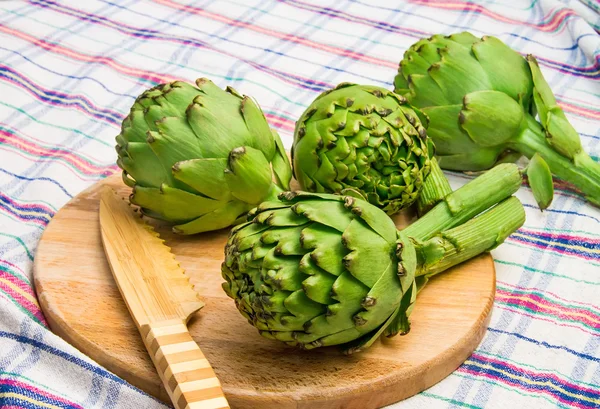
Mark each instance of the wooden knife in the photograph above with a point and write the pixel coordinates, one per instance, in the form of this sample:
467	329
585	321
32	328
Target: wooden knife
161	299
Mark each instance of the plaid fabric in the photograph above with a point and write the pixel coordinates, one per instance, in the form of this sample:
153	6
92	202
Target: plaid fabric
69	72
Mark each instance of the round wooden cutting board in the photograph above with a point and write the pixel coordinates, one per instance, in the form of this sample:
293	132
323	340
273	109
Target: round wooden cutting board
83	305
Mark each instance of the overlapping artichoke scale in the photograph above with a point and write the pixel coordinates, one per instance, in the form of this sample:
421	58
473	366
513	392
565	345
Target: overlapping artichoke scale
506	69
141	164
177	205
229	213
206	176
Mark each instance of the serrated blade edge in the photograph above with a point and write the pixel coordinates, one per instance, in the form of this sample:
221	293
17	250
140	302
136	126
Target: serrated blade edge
151	281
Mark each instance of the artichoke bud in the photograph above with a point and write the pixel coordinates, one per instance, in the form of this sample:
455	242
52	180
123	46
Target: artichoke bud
334	278
199	156
361	139
483	101
540	180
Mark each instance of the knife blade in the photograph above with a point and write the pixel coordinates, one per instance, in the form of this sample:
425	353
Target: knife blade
161	299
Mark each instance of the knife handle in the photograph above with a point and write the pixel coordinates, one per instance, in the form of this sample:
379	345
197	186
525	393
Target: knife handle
186	373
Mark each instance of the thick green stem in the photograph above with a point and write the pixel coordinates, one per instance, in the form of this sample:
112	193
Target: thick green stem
582	171
480	234
435	189
465	203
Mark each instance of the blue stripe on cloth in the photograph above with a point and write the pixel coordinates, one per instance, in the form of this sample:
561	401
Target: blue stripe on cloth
28	393
68	357
37	178
547	345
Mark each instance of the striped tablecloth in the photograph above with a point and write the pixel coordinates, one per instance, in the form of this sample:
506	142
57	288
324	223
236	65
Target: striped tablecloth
69	71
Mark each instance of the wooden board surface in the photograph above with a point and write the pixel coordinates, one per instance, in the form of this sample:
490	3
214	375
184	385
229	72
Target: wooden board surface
82	304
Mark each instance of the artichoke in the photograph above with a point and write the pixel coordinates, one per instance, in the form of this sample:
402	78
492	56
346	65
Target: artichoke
199	157
315	270
362	141
481	98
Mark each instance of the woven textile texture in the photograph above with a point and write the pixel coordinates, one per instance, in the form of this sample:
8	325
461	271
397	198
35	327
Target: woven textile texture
69	71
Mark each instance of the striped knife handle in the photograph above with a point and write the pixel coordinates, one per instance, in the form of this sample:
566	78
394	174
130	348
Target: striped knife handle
185	372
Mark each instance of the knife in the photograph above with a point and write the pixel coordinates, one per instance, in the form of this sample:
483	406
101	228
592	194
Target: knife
161	299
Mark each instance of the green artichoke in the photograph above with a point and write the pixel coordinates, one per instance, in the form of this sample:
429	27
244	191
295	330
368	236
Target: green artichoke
314	270
362	141
481	98
199	157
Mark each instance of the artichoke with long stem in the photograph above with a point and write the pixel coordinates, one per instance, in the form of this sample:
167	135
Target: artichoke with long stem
200	157
363	141
482	98
315	270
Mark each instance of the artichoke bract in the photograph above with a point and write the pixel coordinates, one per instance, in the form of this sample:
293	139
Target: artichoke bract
200	157
315	270
481	98
363	141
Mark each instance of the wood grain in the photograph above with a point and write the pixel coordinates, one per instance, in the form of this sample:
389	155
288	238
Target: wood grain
83	305
161	299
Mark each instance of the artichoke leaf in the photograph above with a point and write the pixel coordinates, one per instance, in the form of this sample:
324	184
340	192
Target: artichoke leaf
327	212
133	128
219	218
141	161
318	286
425	92
248	174
376	220
174	204
327	249
491	117
413	63
215	136
305	153
383	299
545	100
484	159
207	176
152	115
327	174
560	134
349	293
506	69
401	324
445	129
286	239
175	131
179	95
299	304
281	217
458	73
465	38
281	163
427	51
262	138
369	252
369	339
